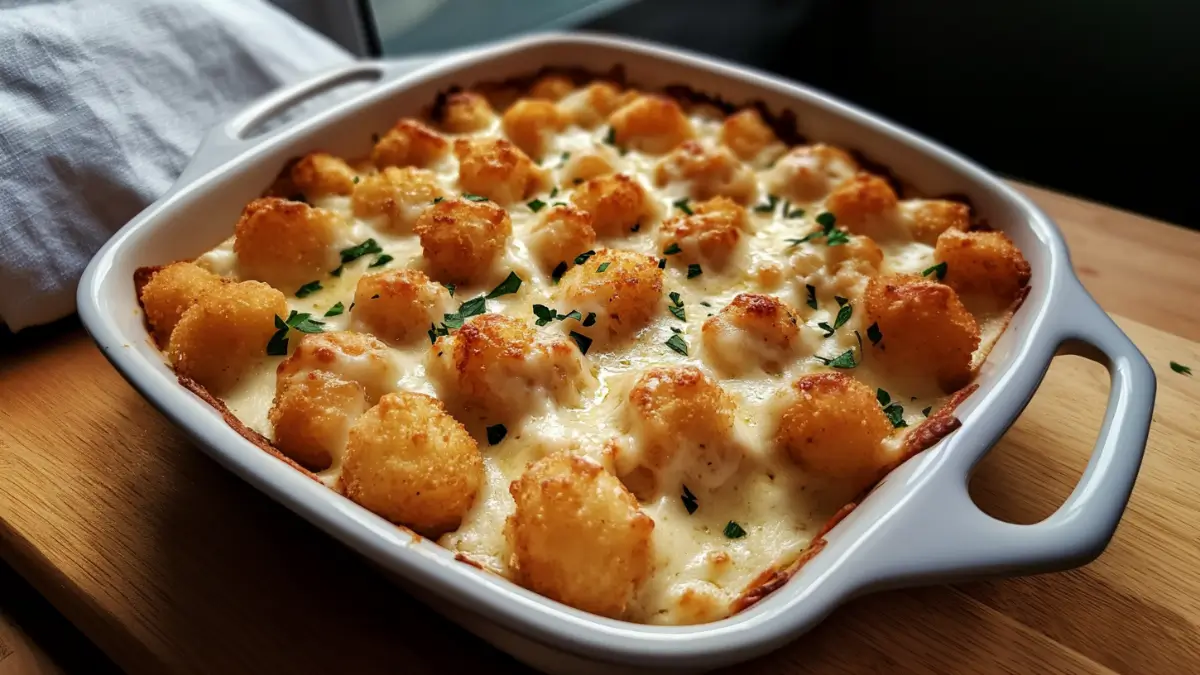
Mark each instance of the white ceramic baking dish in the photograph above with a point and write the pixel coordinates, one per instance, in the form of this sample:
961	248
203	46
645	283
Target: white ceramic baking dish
919	526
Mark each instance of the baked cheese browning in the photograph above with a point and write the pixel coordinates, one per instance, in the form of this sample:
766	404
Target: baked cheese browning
622	349
578	536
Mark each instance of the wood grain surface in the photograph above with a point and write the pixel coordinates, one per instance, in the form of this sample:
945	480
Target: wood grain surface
173	565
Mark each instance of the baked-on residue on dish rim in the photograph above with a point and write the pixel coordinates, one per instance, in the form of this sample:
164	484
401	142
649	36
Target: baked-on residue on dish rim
714	197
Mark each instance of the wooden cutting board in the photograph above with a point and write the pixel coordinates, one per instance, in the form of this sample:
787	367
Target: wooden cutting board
171	564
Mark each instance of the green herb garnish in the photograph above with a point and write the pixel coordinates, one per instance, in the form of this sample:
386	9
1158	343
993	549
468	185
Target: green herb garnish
662	263
438	199
590	320
1180	368
678	344
611	136
925	412
544	314
584	342
583	257
734	531
510	285
603	266
874	334
337	272
336	310
689	500
308	289
938	270
671	250
278	344
450	287
682	205
769	206
381	261
559	270
353	253
473	198
812	295
843	360
844	313
536	205
694	270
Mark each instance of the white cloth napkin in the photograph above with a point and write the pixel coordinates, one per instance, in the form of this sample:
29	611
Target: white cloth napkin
101	105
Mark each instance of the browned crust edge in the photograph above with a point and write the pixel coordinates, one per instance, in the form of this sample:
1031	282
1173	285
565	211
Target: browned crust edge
237	425
939	425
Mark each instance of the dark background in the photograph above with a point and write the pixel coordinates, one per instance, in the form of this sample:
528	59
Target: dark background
1096	98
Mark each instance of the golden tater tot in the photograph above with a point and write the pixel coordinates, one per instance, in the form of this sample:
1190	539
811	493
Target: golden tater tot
616	202
466	111
650	123
409	143
311	416
286	243
624	297
171	291
750	138
562	233
319	173
753	332
354	357
710	233
497	170
551	87
462	239
928	218
833	426
683	422
860	200
982	262
410	462
225	333
398	306
593	104
529	122
401	195
708	173
578	536
809	172
498	368
926	329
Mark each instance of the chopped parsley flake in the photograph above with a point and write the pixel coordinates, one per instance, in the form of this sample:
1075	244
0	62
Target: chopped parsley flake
925	412
496	433
438	199
336	310
583	341
544	314
939	270
825	327
676	299
678	312
381	261
843	360
590	320
353	253
894	411
559	270
338	271
682	205
308	289
826	220
795	213
356	180
473	307
678	344
734	531
769	206
694	270
671	250
611	136
837	238
450	287
473	198
537	205
510	285
583	257
812	295
843	314
1180	368
874	334
689	500
565	157
603	266
278	344
662	263
573	314
554	192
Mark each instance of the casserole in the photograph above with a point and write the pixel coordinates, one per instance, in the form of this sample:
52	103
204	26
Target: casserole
918	525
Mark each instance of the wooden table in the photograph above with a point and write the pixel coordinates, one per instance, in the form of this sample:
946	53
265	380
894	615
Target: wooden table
171	564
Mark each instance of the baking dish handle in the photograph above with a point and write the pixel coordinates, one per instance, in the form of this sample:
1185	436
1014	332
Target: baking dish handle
238	134
945	537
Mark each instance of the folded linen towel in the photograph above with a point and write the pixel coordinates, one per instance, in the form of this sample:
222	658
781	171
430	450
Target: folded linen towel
101	105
